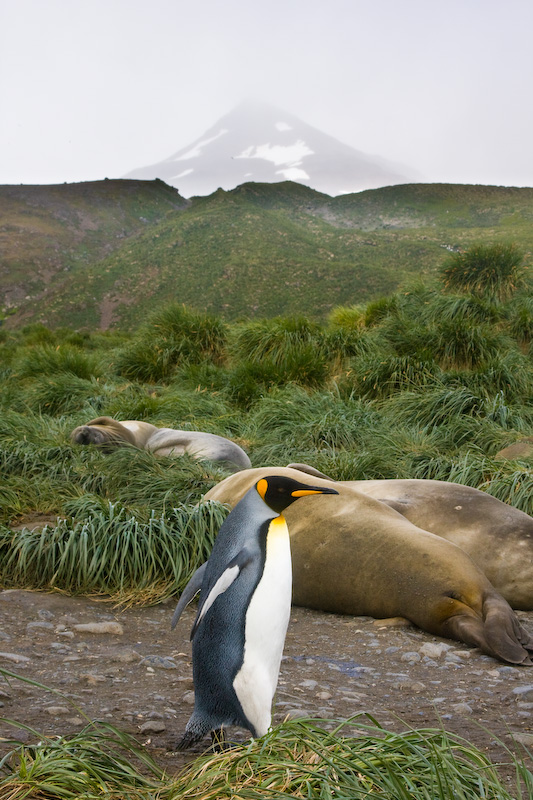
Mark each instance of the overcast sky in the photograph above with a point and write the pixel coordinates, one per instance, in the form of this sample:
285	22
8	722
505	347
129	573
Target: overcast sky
95	88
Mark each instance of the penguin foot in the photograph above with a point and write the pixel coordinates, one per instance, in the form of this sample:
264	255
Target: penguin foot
218	740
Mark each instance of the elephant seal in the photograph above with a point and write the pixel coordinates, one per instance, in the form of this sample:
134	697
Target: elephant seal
353	554
108	433
496	536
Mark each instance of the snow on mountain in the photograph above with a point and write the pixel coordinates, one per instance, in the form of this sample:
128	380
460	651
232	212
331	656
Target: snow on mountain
257	142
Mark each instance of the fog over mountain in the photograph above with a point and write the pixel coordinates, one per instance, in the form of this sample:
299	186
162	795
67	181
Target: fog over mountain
260	143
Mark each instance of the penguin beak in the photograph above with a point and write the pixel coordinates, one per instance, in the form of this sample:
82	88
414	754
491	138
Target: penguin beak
304	492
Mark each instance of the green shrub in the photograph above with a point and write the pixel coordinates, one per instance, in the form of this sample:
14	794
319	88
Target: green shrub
375	378
275	340
318	420
433	407
519	319
46	360
494	271
172	336
64	393
347	318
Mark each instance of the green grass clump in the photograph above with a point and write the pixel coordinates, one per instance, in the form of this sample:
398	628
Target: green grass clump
112	553
508	481
172	336
65	358
296	759
375	378
313	421
64	393
494	271
98	762
291	348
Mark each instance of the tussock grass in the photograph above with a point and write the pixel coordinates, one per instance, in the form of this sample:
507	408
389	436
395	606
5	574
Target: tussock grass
375	378
98	762
274	339
288	348
64	358
64	393
138	478
173	335
495	271
297	759
436	406
318	420
519	319
112	553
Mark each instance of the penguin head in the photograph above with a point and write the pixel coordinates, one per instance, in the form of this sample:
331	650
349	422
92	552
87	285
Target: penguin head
279	492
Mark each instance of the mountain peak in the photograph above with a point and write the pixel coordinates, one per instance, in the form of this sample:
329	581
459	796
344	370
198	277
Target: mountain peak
261	143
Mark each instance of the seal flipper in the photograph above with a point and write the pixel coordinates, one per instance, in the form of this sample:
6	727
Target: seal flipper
309	470
498	632
188	594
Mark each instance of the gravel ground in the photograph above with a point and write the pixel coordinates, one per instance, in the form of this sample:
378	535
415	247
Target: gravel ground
128	668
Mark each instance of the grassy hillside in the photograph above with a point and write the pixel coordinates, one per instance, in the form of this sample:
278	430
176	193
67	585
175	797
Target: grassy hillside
47	232
261	250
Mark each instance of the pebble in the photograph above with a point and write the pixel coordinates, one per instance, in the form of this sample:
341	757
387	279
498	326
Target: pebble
126	655
411	657
92	678
296	713
153	726
524	738
57	711
100	627
39	627
188	698
523	693
16	657
409	685
433	650
75	721
462	708
161	662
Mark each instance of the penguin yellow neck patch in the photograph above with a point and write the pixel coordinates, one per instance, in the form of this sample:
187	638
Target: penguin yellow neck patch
262	487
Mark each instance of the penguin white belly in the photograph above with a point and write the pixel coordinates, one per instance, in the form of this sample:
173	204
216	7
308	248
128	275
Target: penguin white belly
266	624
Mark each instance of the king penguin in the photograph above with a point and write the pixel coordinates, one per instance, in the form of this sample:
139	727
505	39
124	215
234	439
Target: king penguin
243	613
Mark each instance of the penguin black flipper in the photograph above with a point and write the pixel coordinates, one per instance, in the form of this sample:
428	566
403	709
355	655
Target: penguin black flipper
219	584
188	594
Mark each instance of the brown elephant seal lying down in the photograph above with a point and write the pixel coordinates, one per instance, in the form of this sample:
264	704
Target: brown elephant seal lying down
498	537
352	554
108	433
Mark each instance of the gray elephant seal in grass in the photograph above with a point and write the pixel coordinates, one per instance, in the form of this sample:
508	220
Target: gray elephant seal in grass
108	433
352	554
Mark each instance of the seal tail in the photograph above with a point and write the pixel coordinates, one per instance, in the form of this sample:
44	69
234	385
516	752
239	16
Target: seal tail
497	632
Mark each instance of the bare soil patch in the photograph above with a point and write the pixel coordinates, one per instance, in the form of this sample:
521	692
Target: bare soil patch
140	679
